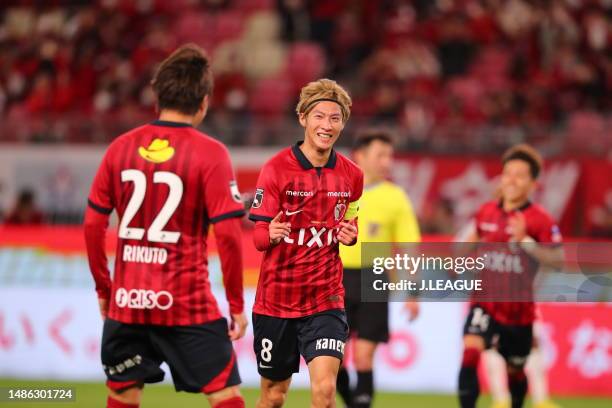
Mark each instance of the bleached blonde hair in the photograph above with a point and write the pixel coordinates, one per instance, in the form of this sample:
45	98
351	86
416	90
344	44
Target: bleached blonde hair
324	90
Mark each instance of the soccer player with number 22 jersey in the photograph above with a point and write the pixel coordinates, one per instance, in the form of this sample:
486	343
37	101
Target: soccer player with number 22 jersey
305	206
168	183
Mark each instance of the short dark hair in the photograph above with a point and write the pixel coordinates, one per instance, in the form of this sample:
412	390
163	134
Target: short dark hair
366	137
183	79
527	154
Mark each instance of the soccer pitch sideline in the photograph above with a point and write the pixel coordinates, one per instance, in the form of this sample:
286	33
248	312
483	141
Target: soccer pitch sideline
89	395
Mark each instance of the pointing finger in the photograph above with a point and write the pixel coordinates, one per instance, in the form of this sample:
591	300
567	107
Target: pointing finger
278	217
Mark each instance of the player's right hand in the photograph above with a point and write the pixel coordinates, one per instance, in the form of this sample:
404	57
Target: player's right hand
103	303
278	230
238	326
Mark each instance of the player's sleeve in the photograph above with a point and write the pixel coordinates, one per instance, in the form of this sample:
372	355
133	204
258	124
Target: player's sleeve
221	195
266	203
261	236
99	207
352	211
353	207
100	196
406	226
224	206
228	235
547	232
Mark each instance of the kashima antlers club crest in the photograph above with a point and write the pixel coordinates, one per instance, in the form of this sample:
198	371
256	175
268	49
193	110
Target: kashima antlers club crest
339	210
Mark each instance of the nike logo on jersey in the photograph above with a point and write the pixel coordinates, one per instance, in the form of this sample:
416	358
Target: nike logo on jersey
288	213
264	366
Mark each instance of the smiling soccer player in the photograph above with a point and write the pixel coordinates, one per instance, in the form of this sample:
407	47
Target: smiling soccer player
509	324
305	206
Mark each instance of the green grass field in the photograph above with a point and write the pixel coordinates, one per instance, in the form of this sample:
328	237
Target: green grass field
90	395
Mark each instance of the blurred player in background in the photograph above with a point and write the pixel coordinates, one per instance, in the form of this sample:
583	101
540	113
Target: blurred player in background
168	183
385	215
305	205
511	219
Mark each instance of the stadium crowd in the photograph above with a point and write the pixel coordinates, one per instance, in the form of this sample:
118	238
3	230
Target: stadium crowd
452	75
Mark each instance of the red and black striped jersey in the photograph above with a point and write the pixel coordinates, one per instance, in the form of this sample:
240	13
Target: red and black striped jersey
302	275
511	272
168	182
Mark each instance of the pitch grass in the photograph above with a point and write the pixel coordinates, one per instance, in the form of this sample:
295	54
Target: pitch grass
90	395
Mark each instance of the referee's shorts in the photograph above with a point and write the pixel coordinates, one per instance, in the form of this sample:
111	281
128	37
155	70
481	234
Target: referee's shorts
366	320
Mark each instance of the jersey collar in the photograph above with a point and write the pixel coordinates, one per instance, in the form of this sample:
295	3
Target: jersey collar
523	207
306	164
168	123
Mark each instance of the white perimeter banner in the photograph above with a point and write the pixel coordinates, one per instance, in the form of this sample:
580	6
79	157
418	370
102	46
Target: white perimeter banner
55	334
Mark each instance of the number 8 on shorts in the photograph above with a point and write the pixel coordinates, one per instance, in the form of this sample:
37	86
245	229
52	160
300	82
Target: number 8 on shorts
266	350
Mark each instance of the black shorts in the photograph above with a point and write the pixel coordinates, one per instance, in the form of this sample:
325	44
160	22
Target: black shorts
366	320
200	357
279	342
513	342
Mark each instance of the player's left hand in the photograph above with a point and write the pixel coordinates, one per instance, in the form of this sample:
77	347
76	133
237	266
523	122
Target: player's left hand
238	326
518	226
348	233
413	308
